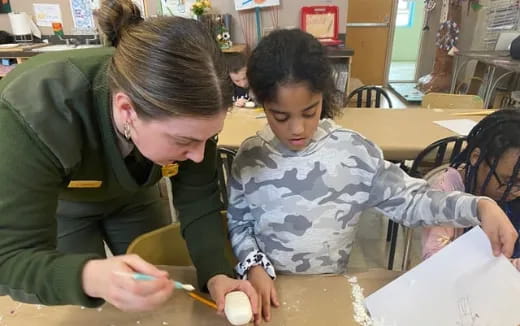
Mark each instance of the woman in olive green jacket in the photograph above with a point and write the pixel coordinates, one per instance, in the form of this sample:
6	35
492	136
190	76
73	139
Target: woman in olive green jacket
83	136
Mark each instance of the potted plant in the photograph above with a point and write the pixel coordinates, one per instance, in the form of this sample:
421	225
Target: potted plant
199	7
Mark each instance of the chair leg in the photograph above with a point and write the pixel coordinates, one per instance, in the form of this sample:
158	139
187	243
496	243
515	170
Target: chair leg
389	230
393	244
407	248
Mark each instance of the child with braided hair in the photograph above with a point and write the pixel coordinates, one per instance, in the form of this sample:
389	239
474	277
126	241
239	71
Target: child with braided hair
488	166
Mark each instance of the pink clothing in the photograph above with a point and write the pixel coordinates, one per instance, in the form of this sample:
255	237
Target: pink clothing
437	237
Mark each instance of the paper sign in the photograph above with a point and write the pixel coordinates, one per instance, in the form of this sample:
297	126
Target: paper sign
95	4
82	14
46	14
459	126
250	4
461	285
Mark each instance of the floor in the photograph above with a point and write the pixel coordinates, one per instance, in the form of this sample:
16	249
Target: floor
402	71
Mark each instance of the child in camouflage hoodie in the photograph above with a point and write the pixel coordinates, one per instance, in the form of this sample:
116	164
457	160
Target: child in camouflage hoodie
298	188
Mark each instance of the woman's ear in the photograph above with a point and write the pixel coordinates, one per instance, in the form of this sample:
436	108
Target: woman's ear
474	156
122	105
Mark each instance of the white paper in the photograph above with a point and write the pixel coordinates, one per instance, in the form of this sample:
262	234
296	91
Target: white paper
250	4
461	285
46	14
459	126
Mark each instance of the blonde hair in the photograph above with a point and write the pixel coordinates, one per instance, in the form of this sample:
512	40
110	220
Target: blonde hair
168	66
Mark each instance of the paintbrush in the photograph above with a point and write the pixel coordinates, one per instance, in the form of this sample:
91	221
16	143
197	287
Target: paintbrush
144	277
202	299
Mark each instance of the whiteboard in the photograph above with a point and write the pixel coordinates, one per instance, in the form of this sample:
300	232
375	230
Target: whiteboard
250	4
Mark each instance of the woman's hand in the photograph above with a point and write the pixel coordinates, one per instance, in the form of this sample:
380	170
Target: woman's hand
100	280
220	285
264	285
497	226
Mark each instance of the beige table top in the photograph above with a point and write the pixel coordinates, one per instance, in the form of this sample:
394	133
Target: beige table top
305	300
401	133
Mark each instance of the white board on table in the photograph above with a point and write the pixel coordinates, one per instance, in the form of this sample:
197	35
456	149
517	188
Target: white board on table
461	285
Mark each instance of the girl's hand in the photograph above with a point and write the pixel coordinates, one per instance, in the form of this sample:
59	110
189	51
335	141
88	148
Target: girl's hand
497	226
220	285
240	102
100	280
264	285
516	263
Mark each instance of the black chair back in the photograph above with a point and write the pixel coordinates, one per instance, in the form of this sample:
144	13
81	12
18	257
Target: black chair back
370	93
225	157
441	152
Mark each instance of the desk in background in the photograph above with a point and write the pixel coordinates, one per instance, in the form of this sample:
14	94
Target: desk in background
400	133
494	59
19	53
304	300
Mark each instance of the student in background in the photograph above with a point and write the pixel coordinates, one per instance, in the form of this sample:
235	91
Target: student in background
488	166
299	187
237	65
83	136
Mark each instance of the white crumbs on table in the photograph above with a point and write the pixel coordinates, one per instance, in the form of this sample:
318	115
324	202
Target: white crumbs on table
358	303
361	315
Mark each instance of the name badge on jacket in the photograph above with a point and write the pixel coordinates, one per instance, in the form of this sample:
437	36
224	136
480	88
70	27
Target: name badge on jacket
85	184
170	170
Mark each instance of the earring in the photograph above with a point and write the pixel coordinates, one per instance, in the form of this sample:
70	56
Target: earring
126	130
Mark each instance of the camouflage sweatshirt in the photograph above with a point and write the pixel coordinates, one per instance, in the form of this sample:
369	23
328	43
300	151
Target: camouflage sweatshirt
301	208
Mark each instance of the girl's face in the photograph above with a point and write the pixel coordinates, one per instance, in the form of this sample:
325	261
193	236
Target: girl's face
295	115
501	177
240	78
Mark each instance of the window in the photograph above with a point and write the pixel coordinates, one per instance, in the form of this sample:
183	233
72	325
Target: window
405	12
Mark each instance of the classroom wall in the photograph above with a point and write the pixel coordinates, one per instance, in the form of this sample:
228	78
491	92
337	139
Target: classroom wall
407	39
471	25
288	13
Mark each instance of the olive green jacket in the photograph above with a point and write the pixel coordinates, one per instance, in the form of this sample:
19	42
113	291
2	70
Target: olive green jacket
55	127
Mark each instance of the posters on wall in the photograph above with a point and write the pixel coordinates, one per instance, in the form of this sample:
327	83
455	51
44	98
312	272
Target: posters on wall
251	4
47	13
82	14
180	8
95	4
